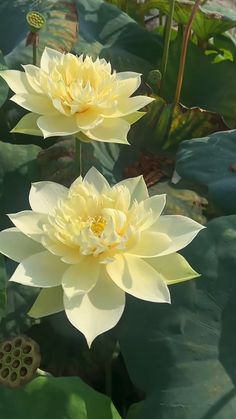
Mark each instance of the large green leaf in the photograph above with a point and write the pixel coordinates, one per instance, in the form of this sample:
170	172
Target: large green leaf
168	124
18	168
209	20
217	173
60	398
59	31
3	85
3	278
207	84
103	30
182	355
107	31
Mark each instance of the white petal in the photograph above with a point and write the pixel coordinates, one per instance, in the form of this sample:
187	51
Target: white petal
94	177
33	74
133	117
28	125
88	120
132	104
35	103
49	301
110	130
57	125
129	82
81	278
97	311
16	245
40	270
30	223
174	268
181	230
150	244
16	80
49	55
137	188
138	278
156	204
44	196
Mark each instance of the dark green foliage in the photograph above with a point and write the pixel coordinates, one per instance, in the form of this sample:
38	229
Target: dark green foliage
182	355
211	162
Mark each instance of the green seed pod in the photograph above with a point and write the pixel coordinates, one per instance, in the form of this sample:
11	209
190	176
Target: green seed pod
19	359
153	80
35	20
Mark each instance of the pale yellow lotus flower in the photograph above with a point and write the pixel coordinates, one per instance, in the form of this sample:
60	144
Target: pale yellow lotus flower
70	95
88	245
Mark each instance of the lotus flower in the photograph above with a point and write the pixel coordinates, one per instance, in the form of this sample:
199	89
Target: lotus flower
70	95
88	245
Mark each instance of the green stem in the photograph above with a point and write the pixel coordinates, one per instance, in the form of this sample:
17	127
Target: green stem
186	36
108	378
78	156
34	47
167	37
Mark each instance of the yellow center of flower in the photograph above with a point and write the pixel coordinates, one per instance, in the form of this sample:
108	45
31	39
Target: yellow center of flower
98	224
91	223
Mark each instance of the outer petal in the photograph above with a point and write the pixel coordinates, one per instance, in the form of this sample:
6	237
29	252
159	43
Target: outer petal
28	125
138	278
88	120
57	125
97	179
16	80
49	55
129	82
156	204
110	130
81	278
133	117
174	268
44	196
137	188
40	270
35	103
150	245
97	311
49	301
130	105
16	245
181	230
33	74
30	223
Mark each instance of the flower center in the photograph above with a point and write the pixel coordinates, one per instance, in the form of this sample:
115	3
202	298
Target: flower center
98	224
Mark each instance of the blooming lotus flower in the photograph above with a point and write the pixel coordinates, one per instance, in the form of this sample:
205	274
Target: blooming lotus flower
88	245
69	95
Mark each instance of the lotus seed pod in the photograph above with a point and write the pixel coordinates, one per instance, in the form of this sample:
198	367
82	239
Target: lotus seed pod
35	20
19	359
153	80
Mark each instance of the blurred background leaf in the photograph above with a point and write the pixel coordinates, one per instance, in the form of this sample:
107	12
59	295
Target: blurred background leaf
68	398
210	162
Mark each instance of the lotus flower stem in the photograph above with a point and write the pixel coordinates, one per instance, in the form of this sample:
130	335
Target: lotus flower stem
186	36
78	156
34	47
165	55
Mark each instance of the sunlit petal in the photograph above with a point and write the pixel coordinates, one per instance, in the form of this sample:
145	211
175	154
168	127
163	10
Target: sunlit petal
97	311
49	301
138	278
42	270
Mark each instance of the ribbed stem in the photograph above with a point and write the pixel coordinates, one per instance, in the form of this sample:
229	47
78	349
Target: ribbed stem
167	36
34	47
186	36
78	156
